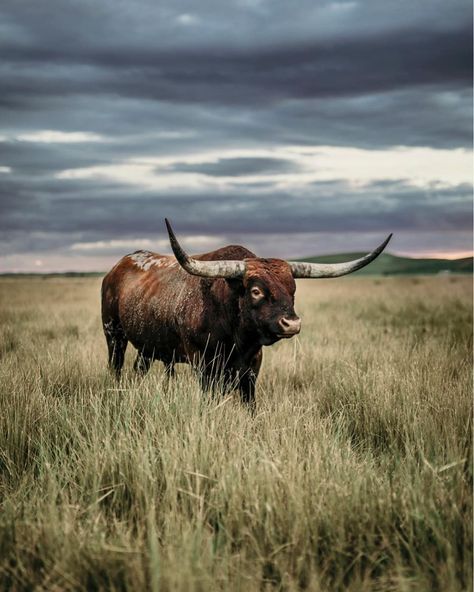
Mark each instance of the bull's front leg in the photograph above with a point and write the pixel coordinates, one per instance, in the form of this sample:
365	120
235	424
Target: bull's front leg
248	380
247	390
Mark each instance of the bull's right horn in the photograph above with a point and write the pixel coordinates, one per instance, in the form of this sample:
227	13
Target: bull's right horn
330	270
209	269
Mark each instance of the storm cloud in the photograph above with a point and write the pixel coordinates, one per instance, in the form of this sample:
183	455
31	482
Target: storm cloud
266	123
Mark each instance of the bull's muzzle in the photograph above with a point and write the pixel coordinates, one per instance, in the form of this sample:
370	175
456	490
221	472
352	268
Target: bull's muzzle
289	327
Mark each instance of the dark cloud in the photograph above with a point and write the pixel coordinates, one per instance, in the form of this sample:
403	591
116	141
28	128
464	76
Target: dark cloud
236	167
112	211
175	78
31	158
345	67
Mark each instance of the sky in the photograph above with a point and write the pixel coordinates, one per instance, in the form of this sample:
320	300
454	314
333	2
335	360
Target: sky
292	128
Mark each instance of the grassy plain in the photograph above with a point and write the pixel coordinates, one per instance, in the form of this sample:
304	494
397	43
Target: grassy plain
355	474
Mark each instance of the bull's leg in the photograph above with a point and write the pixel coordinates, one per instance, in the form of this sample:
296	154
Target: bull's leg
247	390
116	345
206	381
142	364
169	370
212	384
169	374
248	381
206	372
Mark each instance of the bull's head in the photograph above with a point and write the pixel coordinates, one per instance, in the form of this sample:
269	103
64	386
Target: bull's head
268	285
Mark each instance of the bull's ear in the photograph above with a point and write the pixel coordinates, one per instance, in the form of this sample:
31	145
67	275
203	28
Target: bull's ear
236	285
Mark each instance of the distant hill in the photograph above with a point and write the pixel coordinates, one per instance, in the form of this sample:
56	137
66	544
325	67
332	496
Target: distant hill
51	274
387	264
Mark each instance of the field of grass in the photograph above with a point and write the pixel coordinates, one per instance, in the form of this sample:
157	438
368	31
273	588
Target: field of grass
355	474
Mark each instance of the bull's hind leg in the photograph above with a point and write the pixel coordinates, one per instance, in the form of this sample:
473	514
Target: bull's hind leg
142	364
169	369
116	344
169	373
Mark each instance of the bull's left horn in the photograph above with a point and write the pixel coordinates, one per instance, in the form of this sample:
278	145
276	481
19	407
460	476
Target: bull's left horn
330	270
209	269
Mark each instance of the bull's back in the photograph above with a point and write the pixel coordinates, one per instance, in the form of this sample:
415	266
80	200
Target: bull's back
142	293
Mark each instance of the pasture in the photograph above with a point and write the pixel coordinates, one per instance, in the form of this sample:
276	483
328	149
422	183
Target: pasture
355	474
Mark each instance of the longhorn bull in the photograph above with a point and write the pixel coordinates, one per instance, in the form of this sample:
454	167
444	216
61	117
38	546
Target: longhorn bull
215	311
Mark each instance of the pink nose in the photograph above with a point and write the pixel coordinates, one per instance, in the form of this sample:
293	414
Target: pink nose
290	326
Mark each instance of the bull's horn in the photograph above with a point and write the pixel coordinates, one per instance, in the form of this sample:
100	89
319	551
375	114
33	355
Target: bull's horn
329	270
210	269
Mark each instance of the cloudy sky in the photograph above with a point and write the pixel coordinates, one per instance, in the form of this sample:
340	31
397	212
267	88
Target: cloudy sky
293	128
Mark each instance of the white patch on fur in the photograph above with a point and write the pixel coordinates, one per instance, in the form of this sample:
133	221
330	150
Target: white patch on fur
108	328
145	260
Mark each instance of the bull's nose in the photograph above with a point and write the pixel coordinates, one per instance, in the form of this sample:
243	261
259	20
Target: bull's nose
290	326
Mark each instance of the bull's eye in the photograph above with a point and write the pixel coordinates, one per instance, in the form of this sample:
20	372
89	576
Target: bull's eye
256	294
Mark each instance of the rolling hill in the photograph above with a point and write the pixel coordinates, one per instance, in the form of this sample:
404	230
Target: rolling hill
387	264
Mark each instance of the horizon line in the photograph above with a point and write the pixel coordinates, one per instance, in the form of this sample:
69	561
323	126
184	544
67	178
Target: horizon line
38	268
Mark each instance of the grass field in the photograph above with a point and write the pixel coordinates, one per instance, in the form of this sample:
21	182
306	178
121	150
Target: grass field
355	474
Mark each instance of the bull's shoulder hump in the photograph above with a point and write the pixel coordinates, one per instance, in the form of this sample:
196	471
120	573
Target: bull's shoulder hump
145	260
230	252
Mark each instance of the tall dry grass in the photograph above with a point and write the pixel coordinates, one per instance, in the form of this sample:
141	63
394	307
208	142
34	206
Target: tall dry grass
355	474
